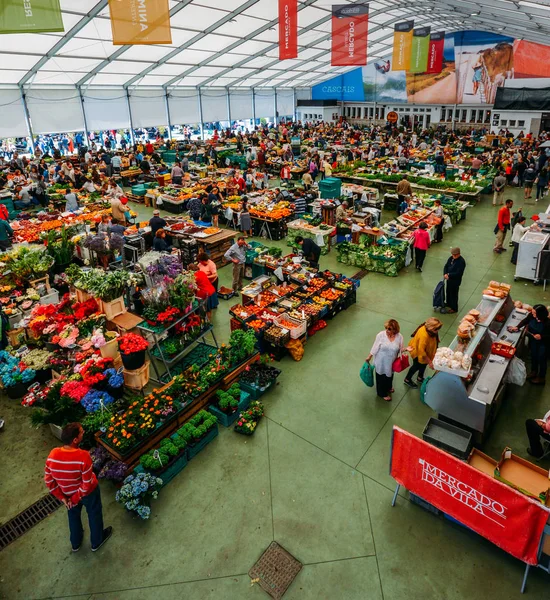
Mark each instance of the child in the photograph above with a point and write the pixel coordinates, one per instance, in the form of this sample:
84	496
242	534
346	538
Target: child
127	214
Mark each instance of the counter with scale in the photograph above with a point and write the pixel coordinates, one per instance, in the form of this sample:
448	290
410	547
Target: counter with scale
472	398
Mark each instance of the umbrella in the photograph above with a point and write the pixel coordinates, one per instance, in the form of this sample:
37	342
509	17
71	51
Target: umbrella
545	145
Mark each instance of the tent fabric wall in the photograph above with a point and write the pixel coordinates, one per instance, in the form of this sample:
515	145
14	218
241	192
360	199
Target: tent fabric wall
214	105
285	103
265	104
303	93
184	107
522	99
54	111
12	122
148	108
106	109
240	103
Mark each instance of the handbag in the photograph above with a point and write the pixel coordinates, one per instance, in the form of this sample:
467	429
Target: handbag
400	363
367	374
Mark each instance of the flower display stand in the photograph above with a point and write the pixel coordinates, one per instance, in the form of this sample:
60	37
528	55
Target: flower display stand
228	419
112	309
138	379
56	430
194	449
81	295
110	350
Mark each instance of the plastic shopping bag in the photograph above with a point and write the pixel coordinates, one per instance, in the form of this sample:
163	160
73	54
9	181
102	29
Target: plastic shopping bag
367	374
515	181
401	363
517	372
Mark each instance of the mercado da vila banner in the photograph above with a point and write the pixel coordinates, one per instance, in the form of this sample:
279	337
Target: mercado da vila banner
288	29
350	26
140	22
30	16
435	52
402	44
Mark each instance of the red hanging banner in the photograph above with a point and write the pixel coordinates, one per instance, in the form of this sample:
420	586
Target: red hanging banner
435	52
499	513
288	29
350	26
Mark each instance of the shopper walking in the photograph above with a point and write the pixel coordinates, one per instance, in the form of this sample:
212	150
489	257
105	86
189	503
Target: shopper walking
387	346
528	180
208	267
421	244
70	478
542	183
205	289
246	221
538	333
502	226
237	255
499	183
422	349
453	272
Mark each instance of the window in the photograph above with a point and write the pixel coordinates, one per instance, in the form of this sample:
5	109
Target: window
443	114
463	116
504	122
428	120
415	109
513	123
428	110
521	123
473	114
487	116
457	114
366	112
480	116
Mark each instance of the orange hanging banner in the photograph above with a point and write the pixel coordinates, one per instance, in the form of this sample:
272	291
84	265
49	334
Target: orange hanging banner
140	22
402	45
288	29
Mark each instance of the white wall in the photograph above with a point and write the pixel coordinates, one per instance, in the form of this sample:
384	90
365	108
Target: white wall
515	121
328	114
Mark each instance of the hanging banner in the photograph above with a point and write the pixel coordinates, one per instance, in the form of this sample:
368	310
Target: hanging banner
350	27
435	53
499	513
402	43
288	29
30	16
420	49
140	22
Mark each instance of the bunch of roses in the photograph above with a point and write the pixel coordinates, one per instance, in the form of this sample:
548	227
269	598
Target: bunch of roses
82	310
92	370
76	390
168	316
67	337
34	395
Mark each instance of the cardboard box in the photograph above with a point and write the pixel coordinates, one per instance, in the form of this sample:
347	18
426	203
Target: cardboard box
482	462
527	478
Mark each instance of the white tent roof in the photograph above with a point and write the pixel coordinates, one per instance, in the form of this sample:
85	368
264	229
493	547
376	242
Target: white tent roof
233	43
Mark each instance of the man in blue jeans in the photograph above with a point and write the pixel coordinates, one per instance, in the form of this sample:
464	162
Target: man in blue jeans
70	478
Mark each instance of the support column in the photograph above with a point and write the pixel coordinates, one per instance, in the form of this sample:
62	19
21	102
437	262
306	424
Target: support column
275	106
86	130
228	107
200	114
253	109
295	103
168	115
132	136
27	117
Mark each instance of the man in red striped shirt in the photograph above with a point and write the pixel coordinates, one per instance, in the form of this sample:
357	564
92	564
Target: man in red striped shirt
70	478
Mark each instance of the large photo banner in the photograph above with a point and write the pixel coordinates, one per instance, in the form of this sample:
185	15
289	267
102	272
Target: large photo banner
420	49
350	26
137	22
402	43
499	513
288	29
38	16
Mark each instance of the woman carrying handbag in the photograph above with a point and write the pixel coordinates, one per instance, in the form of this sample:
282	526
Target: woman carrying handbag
387	351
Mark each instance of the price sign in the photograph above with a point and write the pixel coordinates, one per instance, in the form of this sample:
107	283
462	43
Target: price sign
392	117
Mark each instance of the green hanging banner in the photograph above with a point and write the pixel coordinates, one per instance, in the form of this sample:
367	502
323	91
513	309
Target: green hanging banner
420	50
30	16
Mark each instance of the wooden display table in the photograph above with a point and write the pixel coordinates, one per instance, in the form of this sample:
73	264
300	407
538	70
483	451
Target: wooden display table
217	245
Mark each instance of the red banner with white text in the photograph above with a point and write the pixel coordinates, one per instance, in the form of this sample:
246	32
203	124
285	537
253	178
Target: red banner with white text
435	52
350	26
288	29
499	513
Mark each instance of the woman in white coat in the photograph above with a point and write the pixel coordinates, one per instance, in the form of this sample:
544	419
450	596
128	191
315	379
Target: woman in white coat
386	348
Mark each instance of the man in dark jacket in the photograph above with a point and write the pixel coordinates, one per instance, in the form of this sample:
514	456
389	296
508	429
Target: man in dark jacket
310	250
453	272
156	222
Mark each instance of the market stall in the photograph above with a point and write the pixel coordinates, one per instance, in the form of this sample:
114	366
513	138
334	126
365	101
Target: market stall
321	233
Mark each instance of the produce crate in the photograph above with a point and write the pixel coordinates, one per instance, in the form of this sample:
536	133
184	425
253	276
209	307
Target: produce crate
176	208
52	297
300	325
270	335
331	187
139	190
194	449
453	440
425	505
138	379
15	317
228	420
225	295
255	393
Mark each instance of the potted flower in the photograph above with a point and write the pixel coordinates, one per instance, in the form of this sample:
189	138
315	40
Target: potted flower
249	419
68	336
109	289
115	383
107	342
132	351
16	376
39	360
137	491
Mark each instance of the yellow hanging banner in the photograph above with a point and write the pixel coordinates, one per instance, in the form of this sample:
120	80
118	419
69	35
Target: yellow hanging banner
402	44
140	22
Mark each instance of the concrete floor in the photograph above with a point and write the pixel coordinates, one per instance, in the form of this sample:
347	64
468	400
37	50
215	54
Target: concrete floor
314	477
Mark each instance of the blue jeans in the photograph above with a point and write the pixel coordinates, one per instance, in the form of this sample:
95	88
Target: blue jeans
92	502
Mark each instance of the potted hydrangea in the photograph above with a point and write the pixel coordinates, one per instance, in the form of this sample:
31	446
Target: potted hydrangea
136	493
16	376
39	361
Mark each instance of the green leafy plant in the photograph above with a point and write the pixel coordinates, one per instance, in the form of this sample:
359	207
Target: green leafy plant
105	286
29	264
73	273
228	401
182	290
61	249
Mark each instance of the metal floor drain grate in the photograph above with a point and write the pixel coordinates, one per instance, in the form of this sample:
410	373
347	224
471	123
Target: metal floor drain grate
360	275
27	519
275	570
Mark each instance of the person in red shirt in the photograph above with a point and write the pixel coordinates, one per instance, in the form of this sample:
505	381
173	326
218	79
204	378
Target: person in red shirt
502	227
149	148
285	175
70	478
205	289
421	244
